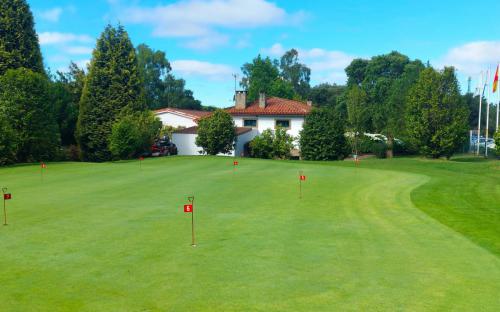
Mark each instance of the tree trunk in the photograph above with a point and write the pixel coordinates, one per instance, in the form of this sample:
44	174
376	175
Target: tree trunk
390	145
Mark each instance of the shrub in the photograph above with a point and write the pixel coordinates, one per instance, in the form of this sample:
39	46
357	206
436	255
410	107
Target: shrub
133	134
216	133
272	144
496	137
322	137
379	149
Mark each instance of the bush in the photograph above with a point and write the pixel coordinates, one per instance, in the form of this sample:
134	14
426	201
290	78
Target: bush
272	144
216	133
496	137
133	134
379	149
322	137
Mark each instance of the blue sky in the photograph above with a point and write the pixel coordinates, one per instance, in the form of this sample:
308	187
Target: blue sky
208	41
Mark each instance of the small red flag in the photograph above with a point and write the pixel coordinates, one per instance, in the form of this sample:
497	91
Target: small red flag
302	177
141	158
7	196
44	165
235	163
188	208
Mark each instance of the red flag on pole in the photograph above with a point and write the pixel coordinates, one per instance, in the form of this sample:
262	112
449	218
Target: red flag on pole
302	177
141	158
495	81
188	208
44	165
235	163
7	196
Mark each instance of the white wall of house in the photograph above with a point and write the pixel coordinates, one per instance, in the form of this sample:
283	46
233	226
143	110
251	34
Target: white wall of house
175	120
269	122
185	143
241	140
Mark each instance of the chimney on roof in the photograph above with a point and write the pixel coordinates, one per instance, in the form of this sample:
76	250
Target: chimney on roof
309	103
241	99
262	100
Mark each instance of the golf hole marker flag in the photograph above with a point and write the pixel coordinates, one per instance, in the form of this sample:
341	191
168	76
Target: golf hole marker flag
188	208
302	177
6	197
43	165
235	163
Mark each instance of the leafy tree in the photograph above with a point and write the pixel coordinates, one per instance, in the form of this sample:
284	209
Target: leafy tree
472	102
322	136
436	115
25	102
113	84
133	134
66	93
153	66
8	140
216	133
496	137
259	76
386	80
272	144
18	40
176	95
326	94
356	112
162	89
296	73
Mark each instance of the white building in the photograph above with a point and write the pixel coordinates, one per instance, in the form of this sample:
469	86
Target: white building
176	117
251	119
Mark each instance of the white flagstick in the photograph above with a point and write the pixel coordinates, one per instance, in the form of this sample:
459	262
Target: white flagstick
479	114
487	113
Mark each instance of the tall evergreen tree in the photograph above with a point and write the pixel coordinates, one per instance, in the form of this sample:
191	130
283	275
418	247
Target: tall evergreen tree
113	85
437	115
18	40
25	101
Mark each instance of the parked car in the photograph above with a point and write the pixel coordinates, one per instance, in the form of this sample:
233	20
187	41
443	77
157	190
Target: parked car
163	147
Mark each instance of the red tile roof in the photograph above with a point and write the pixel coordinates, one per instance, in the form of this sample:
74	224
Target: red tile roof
194	130
274	106
190	113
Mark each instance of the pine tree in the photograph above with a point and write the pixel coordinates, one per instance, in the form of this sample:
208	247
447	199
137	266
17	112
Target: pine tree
113	85
18	40
25	101
437	115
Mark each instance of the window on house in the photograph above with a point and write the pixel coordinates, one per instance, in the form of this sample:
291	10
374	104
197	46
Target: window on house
283	123
250	123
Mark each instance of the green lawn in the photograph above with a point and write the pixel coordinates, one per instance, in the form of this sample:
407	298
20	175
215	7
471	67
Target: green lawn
401	234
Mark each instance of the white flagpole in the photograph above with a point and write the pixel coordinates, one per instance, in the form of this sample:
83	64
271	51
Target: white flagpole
487	113
479	114
498	92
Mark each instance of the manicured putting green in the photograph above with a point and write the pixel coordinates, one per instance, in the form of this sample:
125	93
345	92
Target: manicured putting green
401	234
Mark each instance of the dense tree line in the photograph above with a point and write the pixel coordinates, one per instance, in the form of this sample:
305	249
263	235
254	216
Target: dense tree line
102	112
72	114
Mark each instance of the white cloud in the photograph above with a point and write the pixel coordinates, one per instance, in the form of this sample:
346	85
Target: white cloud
78	50
473	57
202	69
204	20
326	65
51	15
48	38
207	43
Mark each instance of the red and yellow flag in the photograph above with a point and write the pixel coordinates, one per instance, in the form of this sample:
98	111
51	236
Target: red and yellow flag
495	81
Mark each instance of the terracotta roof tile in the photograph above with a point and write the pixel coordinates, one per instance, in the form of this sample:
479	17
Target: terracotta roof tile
274	106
